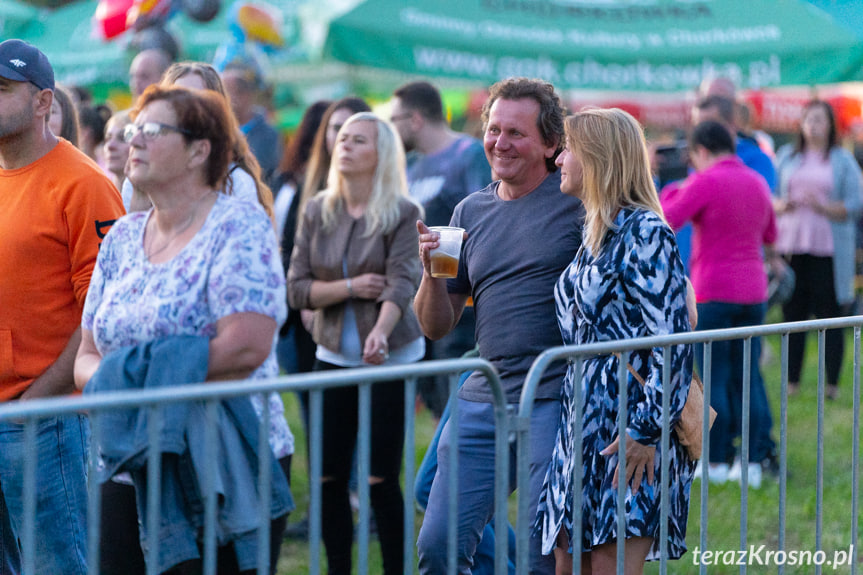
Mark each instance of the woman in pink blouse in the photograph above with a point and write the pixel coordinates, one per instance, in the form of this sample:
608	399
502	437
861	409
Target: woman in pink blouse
819	201
732	217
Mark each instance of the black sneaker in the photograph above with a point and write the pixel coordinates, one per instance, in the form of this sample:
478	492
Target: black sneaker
770	466
298	530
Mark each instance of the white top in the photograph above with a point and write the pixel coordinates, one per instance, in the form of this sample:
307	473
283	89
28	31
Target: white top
352	348
282	205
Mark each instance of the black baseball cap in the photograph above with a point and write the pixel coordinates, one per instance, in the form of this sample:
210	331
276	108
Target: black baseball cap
23	62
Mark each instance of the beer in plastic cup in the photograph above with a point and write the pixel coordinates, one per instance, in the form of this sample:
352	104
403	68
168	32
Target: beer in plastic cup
444	258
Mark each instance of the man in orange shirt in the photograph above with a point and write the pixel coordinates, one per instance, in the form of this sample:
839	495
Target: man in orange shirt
56	205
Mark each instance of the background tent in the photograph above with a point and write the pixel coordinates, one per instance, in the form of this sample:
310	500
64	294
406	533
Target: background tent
658	46
15	17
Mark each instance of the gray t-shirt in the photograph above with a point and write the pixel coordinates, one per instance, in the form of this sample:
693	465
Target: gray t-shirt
511	261
440	181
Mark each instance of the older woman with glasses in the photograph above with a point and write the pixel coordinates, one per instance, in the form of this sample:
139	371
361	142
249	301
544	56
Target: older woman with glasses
244	175
191	290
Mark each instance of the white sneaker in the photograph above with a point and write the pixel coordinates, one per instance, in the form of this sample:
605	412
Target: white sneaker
718	472
735	473
754	477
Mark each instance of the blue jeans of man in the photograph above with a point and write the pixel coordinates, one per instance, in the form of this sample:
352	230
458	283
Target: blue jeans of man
60	535
483	559
726	394
476	471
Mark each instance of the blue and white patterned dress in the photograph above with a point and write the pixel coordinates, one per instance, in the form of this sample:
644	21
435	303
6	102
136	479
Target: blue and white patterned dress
636	287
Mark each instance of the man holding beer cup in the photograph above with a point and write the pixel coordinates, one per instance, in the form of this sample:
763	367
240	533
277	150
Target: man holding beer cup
519	234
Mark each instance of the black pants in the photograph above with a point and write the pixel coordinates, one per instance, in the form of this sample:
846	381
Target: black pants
120	544
814	294
340	424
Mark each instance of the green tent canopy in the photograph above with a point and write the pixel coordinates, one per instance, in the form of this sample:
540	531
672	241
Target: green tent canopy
15	17
653	46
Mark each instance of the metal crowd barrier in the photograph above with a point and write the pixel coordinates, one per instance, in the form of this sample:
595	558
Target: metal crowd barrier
577	354
519	423
211	393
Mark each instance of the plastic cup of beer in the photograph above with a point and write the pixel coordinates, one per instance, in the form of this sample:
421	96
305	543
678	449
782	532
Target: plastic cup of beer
444	258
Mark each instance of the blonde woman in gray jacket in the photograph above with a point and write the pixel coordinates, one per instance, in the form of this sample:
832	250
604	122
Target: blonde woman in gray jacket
354	263
817	207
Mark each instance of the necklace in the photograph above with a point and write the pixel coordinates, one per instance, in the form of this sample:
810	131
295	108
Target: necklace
186	225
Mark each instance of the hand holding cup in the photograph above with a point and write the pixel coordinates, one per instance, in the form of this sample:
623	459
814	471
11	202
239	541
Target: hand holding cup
440	249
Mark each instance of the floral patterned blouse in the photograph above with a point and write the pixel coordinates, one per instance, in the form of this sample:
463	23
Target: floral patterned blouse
232	265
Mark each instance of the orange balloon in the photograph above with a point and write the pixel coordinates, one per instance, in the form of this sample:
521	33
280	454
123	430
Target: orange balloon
261	23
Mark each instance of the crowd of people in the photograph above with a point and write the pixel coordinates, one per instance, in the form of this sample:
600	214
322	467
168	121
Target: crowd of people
179	241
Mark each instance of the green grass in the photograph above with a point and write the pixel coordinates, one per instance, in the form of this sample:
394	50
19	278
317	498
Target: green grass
294	559
724	506
723	529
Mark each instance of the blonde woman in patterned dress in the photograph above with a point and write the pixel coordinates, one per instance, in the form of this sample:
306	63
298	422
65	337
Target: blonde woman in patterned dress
627	281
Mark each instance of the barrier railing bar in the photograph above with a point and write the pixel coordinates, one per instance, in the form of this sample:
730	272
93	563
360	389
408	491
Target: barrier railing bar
310	381
855	448
265	487
94	493
409	474
221	390
707	380
211	546
28	540
154	489
502	413
665	441
819	468
783	442
452	479
364	447
522	552
316	426
505	424
744	446
578	469
622	410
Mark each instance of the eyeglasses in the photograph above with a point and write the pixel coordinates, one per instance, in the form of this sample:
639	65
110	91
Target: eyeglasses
150	131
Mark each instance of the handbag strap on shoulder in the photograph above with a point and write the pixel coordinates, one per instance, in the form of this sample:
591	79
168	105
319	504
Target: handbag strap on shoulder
631	369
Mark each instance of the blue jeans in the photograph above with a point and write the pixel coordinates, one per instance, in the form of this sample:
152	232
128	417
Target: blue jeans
727	383
61	490
483	559
286	352
476	460
10	559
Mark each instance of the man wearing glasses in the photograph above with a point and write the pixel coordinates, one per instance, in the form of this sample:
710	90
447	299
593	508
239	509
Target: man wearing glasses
56	205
